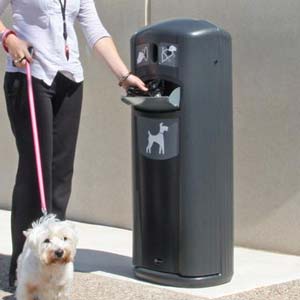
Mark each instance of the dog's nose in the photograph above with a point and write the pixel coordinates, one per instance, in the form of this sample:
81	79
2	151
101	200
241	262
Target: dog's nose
59	253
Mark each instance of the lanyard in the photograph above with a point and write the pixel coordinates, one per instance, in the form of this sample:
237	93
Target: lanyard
65	33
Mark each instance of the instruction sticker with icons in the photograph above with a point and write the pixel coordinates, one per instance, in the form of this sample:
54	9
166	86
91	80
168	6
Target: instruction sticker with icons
142	54
168	54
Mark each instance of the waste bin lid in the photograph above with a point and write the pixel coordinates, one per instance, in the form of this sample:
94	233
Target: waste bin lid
178	27
154	104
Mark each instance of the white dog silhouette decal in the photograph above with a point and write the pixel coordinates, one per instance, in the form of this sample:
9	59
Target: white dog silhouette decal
158	138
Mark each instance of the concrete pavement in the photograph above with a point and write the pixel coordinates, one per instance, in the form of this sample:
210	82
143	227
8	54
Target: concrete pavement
104	271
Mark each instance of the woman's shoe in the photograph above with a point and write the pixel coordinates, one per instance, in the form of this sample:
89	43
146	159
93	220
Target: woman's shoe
12	280
12	277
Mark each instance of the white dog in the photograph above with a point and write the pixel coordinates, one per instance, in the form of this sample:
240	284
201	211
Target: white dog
45	267
158	138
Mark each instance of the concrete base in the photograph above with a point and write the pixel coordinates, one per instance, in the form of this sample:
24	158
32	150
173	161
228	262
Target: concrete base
180	281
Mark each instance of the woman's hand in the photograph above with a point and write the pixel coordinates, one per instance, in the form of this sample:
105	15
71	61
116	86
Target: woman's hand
18	50
135	81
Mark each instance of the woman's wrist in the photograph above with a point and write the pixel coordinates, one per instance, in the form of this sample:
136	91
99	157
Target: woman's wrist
124	77
4	36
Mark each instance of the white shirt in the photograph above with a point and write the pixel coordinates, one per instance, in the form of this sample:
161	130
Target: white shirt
40	23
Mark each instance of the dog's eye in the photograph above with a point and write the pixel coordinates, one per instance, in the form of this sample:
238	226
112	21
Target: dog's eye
65	238
46	241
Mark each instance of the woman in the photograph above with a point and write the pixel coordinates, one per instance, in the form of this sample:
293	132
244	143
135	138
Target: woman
48	27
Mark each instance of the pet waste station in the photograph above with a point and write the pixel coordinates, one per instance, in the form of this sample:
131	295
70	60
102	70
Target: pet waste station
182	150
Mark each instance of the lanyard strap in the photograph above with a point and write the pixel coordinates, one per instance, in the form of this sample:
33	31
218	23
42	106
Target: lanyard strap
65	32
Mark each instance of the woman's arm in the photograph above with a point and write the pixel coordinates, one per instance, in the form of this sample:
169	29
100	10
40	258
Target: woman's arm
105	47
100	41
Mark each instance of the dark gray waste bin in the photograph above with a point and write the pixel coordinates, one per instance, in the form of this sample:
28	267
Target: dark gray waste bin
183	154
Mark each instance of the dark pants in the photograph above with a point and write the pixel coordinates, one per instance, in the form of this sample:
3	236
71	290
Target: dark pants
58	110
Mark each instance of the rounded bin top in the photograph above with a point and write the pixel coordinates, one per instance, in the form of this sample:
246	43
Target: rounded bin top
181	27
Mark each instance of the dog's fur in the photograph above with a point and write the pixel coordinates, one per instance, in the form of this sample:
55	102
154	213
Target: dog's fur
45	267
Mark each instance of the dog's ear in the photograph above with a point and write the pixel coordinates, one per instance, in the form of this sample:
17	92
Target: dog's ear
72	229
27	232
68	224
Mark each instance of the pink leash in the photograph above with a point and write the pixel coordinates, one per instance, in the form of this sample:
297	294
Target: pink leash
35	139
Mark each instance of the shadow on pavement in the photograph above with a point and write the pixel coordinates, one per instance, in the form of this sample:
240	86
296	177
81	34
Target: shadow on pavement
4	265
11	297
92	261
86	261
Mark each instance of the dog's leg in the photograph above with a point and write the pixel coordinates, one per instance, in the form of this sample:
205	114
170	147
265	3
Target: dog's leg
163	146
27	292
160	142
65	292
150	143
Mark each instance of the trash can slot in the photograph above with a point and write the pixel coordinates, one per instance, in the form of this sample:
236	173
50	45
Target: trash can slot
161	96
151	104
